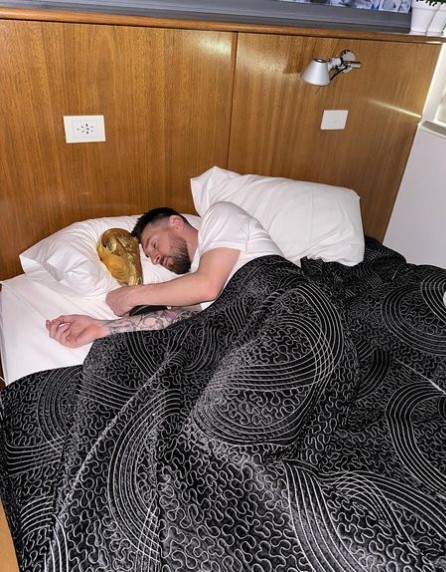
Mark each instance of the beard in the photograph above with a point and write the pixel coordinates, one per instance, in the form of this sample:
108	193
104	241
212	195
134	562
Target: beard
181	261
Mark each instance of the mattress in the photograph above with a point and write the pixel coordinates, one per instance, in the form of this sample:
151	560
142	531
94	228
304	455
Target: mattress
25	345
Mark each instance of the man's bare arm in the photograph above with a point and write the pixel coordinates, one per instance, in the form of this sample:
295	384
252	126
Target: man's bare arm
153	321
203	285
75	330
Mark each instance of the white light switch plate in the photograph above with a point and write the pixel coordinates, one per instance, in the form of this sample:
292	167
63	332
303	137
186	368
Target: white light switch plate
84	128
334	119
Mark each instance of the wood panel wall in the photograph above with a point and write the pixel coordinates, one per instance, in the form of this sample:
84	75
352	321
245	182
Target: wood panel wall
179	98
166	99
280	135
8	560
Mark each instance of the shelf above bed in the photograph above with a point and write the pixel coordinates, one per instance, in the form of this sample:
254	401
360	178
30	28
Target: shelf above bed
262	12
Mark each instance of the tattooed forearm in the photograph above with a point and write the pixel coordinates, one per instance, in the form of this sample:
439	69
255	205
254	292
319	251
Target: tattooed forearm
153	321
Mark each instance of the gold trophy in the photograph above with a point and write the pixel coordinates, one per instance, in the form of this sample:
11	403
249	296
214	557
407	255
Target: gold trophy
119	251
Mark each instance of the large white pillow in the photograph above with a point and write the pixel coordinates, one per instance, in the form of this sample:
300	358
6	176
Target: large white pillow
67	260
303	218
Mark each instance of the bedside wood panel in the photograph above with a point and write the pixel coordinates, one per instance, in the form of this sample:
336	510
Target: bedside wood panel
166	97
279	133
177	101
8	561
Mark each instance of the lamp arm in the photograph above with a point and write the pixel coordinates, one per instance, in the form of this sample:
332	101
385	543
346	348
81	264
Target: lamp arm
355	65
339	65
334	63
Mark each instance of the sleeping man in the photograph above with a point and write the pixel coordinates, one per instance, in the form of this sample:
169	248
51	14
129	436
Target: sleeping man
204	259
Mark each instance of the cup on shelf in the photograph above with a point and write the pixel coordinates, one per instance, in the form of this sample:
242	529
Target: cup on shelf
438	23
422	15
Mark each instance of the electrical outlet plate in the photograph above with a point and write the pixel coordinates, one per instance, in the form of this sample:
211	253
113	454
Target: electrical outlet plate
334	119
84	128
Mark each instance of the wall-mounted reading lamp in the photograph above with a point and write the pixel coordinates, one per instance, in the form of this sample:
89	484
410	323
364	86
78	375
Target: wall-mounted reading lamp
321	72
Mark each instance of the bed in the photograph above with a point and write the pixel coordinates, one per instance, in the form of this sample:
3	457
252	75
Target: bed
298	423
62	275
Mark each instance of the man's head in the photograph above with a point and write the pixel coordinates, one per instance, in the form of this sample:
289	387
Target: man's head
167	238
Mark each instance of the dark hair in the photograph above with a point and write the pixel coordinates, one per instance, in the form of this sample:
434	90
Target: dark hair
153	216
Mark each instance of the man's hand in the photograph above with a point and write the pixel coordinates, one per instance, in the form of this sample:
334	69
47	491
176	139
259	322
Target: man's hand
74	330
122	300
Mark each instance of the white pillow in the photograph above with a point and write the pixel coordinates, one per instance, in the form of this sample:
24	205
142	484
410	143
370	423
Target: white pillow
67	260
303	218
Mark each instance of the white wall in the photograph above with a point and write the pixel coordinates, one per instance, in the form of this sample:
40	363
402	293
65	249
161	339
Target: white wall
417	228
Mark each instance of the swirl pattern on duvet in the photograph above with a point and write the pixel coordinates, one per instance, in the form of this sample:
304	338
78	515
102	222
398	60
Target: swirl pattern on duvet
403	308
326	509
266	389
293	426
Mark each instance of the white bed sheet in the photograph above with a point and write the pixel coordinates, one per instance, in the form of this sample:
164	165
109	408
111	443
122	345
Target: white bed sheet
25	345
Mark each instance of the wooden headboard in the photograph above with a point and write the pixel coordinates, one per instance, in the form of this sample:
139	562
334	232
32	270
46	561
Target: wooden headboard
181	96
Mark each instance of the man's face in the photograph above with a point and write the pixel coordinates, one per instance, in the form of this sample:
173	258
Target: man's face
163	246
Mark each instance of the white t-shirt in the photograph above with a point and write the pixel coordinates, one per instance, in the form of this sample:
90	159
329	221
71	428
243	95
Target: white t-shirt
226	225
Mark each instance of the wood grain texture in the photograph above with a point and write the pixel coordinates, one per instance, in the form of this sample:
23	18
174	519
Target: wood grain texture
166	98
280	135
8	561
177	101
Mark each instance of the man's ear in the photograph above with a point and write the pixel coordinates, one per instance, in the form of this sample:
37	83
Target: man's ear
176	222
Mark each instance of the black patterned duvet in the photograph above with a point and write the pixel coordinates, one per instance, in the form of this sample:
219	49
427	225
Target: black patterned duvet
297	424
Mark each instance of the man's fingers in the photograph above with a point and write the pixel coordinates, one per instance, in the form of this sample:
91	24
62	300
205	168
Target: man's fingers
58	328
59	320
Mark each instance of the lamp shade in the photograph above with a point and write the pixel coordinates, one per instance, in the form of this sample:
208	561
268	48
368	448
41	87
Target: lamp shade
316	72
